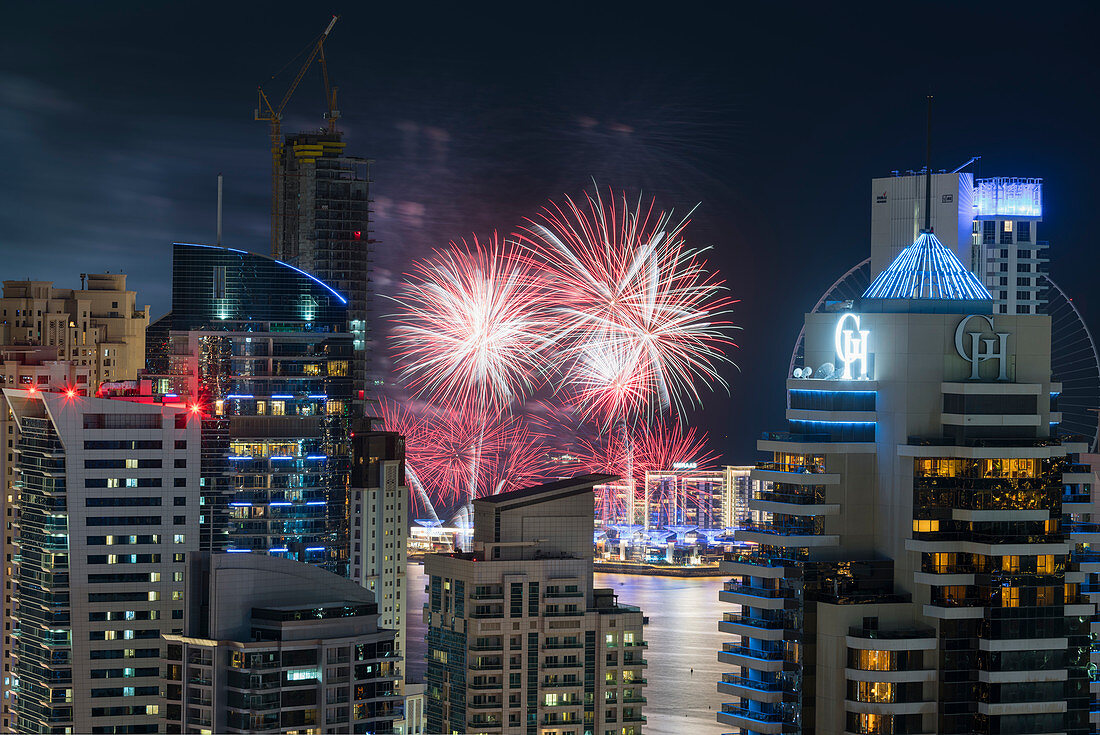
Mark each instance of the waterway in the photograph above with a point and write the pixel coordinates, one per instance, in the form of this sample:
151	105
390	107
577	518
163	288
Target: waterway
683	640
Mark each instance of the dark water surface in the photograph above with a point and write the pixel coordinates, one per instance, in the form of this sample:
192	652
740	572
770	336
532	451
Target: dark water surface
682	634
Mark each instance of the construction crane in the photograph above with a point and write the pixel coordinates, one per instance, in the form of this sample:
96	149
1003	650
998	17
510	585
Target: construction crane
266	112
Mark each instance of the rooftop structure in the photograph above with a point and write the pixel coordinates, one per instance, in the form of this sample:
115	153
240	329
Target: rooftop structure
275	645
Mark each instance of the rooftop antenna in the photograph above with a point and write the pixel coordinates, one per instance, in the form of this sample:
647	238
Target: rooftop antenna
928	171
219	209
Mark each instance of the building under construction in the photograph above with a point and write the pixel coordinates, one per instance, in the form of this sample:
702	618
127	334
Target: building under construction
322	226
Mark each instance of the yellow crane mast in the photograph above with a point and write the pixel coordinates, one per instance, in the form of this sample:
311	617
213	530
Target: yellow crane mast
266	112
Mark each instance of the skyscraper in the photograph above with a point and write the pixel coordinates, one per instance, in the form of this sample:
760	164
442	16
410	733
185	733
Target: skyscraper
379	526
263	347
108	512
917	573
323	227
518	639
37	369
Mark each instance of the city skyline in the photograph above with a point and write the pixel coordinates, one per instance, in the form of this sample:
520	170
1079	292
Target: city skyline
465	143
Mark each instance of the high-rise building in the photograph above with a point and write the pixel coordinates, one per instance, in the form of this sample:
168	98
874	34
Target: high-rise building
37	369
1007	254
323	227
108	500
379	526
918	572
264	348
518	639
99	326
274	645
990	223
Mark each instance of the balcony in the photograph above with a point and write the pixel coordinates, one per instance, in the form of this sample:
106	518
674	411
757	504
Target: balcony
769	723
791	537
760	691
759	628
759	597
752	658
740	563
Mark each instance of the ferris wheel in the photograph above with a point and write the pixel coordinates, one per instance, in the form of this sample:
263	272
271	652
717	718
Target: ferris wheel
1074	359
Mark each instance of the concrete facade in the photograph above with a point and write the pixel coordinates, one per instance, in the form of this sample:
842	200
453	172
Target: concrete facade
379	523
518	639
99	326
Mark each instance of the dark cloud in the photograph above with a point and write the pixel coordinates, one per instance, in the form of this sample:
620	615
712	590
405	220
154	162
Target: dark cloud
116	118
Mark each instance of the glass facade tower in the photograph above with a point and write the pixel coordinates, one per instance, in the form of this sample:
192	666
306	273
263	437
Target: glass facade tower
266	351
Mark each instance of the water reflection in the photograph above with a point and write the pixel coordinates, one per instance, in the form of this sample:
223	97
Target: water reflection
682	633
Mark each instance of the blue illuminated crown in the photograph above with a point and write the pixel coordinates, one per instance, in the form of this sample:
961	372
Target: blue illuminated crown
927	270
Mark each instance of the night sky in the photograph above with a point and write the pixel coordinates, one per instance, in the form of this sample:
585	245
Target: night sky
115	119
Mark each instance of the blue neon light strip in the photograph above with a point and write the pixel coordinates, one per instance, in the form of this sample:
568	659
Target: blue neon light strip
315	278
927	270
315	548
241	457
239	395
316	502
278	550
321	397
282	395
317	456
330	289
239	551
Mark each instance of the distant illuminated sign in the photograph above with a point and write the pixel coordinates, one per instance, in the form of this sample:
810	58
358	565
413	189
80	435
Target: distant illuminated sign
982	348
1008	197
684	465
852	346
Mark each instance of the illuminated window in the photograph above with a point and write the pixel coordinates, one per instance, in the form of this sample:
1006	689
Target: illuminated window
1044	564
1045	596
338	368
1010	563
875	691
868	660
1010	597
278	408
550	700
131	464
943	563
1071	591
921	526
261	407
1051	526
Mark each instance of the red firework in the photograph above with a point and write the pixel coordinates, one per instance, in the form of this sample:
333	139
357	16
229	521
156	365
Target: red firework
639	318
443	446
653	448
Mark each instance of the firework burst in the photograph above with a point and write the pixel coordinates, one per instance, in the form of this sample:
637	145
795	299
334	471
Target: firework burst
655	447
640	319
444	447
472	326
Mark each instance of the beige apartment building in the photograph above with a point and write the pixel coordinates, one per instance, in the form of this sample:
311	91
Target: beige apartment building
97	325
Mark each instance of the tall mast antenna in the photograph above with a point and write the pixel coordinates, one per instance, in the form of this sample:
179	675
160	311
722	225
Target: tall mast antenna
928	170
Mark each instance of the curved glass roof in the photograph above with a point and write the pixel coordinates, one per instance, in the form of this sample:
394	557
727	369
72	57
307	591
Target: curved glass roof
927	270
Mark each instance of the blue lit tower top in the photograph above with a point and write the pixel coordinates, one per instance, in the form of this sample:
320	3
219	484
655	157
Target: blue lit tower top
927	270
214	285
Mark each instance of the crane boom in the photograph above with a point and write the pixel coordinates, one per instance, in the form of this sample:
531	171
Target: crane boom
266	112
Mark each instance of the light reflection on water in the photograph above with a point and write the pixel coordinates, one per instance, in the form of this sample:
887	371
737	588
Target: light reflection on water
682	634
